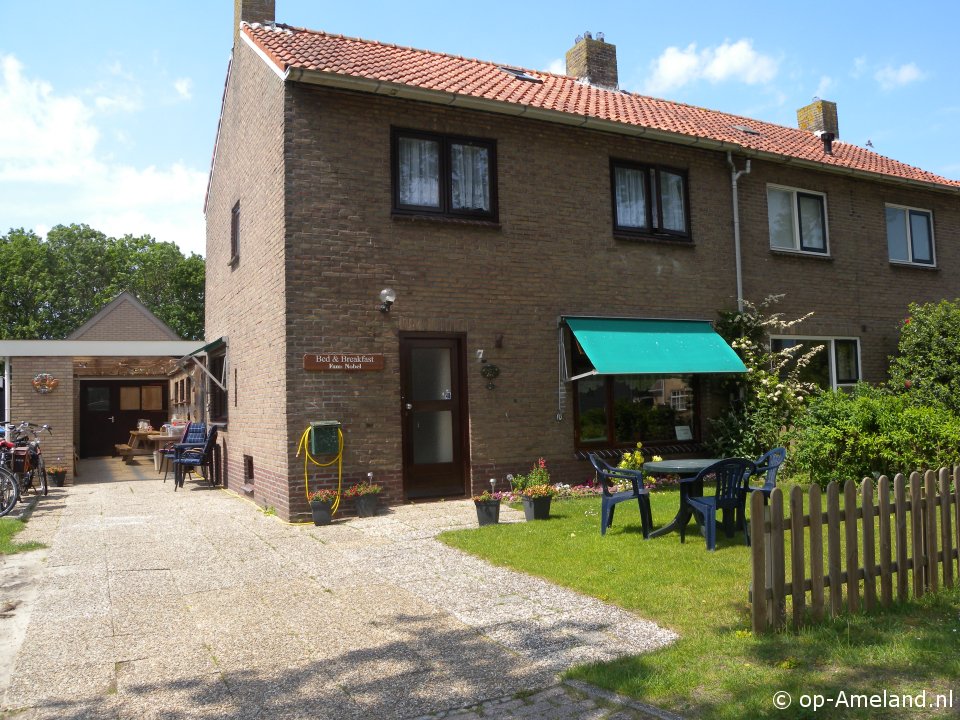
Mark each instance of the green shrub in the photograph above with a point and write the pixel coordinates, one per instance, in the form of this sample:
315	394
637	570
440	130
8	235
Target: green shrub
927	365
869	432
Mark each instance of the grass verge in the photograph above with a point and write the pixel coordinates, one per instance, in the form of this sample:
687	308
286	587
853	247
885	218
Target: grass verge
718	669
9	527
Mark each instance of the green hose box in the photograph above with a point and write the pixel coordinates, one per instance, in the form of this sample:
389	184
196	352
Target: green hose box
324	437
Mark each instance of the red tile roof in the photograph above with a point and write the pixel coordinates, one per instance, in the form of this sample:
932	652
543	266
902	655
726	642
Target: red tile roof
320	52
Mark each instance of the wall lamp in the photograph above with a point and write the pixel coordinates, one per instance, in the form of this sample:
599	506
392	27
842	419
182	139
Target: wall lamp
388	296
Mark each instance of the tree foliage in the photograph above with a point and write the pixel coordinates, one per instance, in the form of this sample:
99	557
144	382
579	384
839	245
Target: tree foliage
927	365
770	394
53	286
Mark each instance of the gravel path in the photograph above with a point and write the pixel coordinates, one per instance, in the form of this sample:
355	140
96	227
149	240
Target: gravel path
195	604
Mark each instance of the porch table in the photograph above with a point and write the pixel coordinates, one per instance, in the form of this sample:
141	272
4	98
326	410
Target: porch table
158	440
688	470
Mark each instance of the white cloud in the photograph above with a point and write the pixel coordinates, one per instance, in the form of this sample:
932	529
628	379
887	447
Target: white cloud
826	82
737	62
184	88
557	66
890	77
859	66
53	170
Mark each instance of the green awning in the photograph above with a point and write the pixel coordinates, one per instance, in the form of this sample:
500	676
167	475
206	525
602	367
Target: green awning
215	345
623	346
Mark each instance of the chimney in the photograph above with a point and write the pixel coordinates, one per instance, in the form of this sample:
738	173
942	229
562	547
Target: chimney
252	11
820	116
593	61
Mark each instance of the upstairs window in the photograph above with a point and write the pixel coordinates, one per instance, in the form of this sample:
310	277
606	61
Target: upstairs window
797	219
649	200
235	233
910	235
444	175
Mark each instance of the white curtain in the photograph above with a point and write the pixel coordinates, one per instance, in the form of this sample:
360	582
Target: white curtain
419	172
631	198
469	177
671	199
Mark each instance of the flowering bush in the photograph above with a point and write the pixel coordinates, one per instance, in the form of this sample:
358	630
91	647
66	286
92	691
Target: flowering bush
487	496
325	495
538	475
362	488
589	489
634	460
538	491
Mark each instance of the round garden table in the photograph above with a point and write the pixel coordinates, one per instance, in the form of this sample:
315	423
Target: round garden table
688	470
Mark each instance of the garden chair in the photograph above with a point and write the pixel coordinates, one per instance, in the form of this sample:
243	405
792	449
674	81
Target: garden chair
194	434
607	475
767	465
191	457
731	477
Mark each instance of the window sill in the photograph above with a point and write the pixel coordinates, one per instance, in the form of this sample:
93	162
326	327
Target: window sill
673	240
912	266
801	253
445	220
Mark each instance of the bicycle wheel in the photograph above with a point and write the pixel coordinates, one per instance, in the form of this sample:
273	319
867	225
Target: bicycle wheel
40	473
9	492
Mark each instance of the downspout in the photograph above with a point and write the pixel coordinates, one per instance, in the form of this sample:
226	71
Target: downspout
7	391
734	176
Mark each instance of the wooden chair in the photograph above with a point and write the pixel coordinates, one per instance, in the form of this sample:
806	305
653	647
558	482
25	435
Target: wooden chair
192	457
607	475
731	477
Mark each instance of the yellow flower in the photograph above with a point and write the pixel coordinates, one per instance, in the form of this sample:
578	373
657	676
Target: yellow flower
657	458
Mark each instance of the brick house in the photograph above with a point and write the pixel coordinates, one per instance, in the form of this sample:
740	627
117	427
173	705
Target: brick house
514	213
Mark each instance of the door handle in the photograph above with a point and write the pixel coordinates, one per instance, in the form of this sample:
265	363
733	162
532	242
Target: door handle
111	419
409	406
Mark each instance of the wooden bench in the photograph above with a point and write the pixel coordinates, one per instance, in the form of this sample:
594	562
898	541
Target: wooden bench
124	451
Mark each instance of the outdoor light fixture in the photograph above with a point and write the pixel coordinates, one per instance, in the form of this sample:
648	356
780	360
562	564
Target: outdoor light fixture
387	297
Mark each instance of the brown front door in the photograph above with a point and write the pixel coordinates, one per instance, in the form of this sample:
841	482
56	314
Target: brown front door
110	409
434	415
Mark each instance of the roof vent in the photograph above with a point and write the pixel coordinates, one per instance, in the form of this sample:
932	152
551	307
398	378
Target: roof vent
520	74
827	138
747	130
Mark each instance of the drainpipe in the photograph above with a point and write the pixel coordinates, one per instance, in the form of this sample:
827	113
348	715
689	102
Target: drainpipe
734	176
7	391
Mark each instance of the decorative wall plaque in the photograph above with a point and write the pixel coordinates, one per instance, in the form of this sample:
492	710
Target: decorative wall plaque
45	383
345	362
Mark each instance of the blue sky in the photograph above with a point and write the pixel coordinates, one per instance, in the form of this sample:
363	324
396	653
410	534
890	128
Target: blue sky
108	108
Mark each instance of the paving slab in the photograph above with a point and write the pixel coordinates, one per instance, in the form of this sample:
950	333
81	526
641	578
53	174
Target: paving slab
155	604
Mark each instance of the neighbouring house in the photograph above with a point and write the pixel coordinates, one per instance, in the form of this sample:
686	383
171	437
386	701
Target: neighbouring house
470	265
95	386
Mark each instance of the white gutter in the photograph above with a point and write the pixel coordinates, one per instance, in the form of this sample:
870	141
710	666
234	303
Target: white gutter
96	348
734	176
441	97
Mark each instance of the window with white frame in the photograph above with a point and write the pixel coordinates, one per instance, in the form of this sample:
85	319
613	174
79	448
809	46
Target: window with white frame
798	220
837	365
910	235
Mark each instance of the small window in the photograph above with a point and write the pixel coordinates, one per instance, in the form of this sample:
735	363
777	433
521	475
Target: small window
129	398
797	220
910	235
218	396
235	233
649	200
151	398
836	366
443	175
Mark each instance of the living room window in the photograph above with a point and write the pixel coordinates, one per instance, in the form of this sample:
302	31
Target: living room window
797	219
910	235
649	200
444	175
836	366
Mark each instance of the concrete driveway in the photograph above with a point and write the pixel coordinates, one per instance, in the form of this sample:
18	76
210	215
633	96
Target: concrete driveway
196	604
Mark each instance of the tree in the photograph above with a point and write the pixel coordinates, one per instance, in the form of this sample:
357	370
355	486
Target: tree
53	286
927	364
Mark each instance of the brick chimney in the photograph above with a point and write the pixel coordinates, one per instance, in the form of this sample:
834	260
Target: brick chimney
252	11
593	61
820	116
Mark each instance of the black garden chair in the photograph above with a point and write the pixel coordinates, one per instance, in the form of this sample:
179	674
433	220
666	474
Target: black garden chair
608	475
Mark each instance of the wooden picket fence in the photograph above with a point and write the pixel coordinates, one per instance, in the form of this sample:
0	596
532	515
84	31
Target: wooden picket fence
918	536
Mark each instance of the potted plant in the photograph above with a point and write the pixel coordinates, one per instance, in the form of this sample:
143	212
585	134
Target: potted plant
535	491
364	495
488	507
321	505
57	473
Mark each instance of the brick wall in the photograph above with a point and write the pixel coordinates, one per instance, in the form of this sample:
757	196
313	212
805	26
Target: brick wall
54	408
125	321
245	301
552	253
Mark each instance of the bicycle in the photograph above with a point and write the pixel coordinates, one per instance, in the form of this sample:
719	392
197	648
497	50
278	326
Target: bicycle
9	486
26	459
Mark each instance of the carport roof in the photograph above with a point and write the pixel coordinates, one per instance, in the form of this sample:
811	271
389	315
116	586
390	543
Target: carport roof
97	348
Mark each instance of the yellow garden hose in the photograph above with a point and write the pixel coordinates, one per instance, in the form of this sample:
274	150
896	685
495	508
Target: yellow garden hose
308	458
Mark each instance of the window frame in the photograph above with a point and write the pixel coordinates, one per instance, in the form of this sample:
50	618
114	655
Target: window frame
235	234
796	194
831	342
445	181
218	400
908	209
653	198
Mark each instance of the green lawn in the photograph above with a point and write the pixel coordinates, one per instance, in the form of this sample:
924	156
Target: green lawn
8	528
718	669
